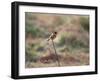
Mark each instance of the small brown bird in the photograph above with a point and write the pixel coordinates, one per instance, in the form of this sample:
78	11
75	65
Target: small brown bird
52	36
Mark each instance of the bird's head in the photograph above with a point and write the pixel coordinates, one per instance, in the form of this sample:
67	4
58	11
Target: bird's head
55	32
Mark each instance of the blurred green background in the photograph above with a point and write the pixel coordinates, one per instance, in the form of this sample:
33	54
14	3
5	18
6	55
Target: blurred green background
72	41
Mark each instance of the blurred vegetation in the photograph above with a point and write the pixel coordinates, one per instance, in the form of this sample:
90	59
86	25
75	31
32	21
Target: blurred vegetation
34	31
31	55
84	21
62	41
73	34
71	44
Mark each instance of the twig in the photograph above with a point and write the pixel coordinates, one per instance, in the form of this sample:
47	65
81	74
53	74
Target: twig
56	53
48	48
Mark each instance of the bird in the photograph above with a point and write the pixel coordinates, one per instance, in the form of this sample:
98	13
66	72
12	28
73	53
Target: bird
52	36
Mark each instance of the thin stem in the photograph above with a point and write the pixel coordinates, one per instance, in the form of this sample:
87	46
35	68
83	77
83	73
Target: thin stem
56	53
48	48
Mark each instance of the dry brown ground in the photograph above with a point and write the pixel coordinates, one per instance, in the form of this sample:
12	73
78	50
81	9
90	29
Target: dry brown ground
65	60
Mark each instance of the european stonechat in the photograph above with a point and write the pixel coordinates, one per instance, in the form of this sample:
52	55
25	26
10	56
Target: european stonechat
52	36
